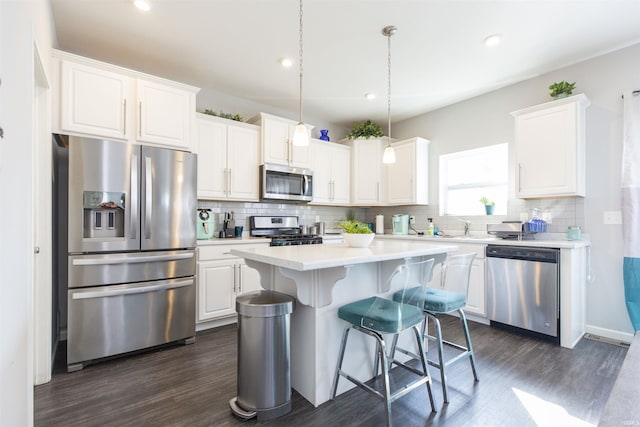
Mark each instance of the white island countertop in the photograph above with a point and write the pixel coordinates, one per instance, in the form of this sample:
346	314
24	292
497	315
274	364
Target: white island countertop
315	257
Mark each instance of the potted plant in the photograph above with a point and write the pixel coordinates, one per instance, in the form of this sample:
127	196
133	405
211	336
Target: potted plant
366	129
236	117
357	234
489	205
561	89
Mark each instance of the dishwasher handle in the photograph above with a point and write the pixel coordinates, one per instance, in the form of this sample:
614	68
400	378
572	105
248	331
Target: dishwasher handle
550	255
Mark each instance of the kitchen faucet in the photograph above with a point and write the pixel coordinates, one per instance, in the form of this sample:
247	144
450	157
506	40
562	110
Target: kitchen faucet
467	224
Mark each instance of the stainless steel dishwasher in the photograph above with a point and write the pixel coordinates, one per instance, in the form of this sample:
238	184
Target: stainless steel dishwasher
523	288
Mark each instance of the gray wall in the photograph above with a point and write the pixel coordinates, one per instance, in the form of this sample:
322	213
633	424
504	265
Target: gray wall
485	120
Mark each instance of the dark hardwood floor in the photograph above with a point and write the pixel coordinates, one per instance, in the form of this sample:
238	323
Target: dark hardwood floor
523	382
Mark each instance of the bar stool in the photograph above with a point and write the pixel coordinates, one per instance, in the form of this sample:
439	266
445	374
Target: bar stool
451	297
376	316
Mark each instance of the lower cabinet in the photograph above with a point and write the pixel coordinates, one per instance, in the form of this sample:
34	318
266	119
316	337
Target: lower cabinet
221	278
476	295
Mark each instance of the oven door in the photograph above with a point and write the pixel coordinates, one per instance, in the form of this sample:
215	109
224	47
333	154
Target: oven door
286	183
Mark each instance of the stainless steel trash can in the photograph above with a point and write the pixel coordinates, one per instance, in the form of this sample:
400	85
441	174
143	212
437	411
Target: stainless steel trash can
264	356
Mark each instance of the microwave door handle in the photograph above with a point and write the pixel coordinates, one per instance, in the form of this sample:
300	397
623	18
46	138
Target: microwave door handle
133	202
148	197
305	184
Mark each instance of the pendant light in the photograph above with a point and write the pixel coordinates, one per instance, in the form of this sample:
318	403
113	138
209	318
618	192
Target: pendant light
300	134
389	155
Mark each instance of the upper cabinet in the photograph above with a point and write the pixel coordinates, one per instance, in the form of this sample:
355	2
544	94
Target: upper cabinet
331	166
228	159
367	180
550	148
407	180
277	142
105	101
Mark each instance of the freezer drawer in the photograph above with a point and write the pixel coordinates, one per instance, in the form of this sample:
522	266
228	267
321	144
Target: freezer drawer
107	269
109	320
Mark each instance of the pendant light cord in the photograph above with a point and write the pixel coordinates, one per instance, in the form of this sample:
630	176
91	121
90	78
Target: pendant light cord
389	34
300	54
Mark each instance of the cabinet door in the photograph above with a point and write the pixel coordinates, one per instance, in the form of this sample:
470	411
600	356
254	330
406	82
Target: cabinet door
249	279
93	101
549	143
243	168
275	142
212	159
400	176
164	114
476	294
300	156
341	174
321	167
366	172
216	293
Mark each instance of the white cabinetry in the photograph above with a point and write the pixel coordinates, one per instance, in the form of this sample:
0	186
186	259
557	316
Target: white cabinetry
96	99
228	165
476	303
331	166
550	148
93	101
407	180
366	172
221	277
277	142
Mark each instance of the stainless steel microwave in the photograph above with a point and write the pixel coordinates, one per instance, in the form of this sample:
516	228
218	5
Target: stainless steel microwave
279	182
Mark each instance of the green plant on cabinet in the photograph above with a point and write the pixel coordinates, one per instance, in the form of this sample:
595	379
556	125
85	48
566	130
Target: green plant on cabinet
366	129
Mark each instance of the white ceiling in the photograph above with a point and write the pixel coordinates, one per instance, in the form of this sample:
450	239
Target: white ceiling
438	56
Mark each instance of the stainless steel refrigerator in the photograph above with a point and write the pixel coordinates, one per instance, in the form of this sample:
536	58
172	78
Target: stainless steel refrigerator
131	248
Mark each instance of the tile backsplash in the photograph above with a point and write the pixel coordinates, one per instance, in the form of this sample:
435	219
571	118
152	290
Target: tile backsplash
564	212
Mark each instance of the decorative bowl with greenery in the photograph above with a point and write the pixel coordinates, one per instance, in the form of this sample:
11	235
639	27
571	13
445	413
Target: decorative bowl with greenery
236	117
356	234
561	89
366	129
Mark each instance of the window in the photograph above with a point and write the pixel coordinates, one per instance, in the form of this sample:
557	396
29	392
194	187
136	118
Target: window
467	176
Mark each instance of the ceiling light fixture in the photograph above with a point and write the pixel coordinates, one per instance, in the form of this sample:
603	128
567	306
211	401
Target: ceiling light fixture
142	5
492	40
389	155
370	96
286	62
300	134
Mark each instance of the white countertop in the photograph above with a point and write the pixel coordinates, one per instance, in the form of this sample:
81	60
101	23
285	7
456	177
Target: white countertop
314	257
539	241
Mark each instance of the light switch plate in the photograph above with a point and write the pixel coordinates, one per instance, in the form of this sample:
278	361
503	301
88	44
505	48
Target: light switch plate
612	217
412	219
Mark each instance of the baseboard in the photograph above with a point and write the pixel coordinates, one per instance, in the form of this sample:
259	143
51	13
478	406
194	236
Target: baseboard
216	323
609	334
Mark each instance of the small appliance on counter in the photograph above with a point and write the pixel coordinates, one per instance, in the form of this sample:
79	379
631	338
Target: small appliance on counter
400	224
511	230
205	223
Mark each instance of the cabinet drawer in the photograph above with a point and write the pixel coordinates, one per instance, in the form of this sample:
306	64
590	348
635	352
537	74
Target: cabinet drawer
224	251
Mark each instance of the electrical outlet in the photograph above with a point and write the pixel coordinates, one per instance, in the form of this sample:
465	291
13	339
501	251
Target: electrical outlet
547	217
412	219
612	217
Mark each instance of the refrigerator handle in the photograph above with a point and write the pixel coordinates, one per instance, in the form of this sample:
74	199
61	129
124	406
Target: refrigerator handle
106	292
148	197
133	203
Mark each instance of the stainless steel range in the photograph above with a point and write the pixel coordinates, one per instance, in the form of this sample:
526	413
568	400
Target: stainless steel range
282	230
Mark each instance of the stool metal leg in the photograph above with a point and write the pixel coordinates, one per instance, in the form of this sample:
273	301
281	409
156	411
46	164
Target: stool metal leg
441	364
382	354
467	337
425	367
343	346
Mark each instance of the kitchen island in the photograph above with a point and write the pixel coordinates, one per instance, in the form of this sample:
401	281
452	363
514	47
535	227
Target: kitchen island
322	278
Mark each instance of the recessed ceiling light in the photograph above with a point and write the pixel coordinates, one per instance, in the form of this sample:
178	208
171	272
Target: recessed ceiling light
142	5
286	62
492	40
370	96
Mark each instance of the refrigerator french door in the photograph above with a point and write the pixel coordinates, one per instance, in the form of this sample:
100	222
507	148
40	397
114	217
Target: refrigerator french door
131	248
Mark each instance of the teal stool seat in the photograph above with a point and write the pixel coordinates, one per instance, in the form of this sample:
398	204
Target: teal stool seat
381	315
433	300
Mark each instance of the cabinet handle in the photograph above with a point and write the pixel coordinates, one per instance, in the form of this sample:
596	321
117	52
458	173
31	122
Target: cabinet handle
229	183
140	120
289	149
378	191
239	267
519	177
124	117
